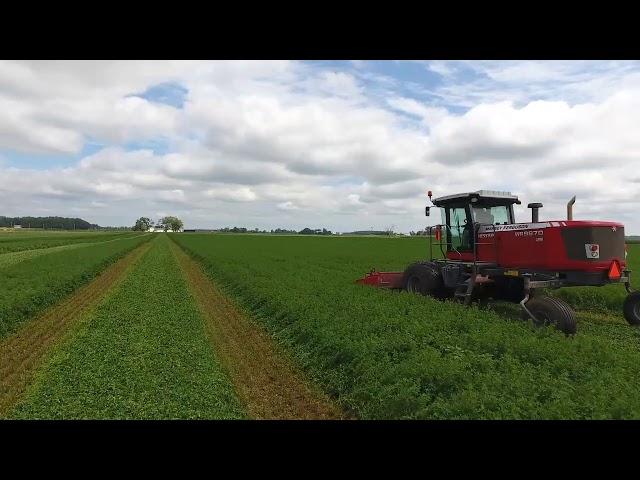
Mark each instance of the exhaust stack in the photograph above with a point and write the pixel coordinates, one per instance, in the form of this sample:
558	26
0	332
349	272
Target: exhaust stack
534	211
570	208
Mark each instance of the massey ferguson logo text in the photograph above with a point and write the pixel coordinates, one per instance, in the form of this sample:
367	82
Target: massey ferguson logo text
513	226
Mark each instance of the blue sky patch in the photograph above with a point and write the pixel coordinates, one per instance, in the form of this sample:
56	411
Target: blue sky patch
169	93
39	161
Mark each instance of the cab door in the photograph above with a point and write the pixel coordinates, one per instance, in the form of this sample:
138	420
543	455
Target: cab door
459	232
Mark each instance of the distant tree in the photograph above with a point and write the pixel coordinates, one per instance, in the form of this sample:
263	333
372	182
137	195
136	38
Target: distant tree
142	224
309	231
171	223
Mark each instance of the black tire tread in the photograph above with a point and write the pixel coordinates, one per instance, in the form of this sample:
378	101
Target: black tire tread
430	276
565	318
628	308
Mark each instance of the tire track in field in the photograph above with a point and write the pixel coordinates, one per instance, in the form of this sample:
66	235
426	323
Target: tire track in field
22	353
265	381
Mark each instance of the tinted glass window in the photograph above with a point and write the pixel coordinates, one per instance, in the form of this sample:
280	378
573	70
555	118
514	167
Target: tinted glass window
460	231
491	215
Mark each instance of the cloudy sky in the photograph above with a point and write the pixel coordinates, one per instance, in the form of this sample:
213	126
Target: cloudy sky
338	144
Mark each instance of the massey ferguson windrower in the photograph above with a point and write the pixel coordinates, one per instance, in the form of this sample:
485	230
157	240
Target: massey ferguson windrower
487	255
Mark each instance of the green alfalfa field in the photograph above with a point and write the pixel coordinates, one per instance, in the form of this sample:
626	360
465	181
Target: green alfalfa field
388	355
36	271
142	351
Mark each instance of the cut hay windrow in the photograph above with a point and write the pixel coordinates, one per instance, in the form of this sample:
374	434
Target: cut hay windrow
267	383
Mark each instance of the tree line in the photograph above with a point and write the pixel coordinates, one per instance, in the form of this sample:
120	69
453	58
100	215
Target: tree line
60	223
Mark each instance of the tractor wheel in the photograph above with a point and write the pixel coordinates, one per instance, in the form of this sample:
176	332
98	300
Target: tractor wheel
552	311
424	278
631	308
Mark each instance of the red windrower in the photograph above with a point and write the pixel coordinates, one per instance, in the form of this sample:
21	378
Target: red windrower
487	254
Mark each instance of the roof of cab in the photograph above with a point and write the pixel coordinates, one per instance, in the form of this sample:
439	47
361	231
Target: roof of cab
491	195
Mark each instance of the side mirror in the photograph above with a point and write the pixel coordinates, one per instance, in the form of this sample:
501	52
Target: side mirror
426	211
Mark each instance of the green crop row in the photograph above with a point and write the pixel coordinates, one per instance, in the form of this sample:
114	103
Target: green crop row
8	259
142	354
36	283
385	354
17	242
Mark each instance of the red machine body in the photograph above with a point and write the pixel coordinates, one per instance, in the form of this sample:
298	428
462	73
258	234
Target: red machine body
587	246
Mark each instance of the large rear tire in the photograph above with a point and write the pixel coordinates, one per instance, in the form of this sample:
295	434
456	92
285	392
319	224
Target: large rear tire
424	278
552	311
631	308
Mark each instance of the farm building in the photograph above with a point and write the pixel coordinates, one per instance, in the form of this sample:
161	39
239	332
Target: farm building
160	229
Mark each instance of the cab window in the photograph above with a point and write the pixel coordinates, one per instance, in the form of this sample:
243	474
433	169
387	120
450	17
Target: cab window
497	215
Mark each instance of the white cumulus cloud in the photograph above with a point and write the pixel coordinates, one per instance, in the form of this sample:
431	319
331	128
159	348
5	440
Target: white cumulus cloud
294	144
